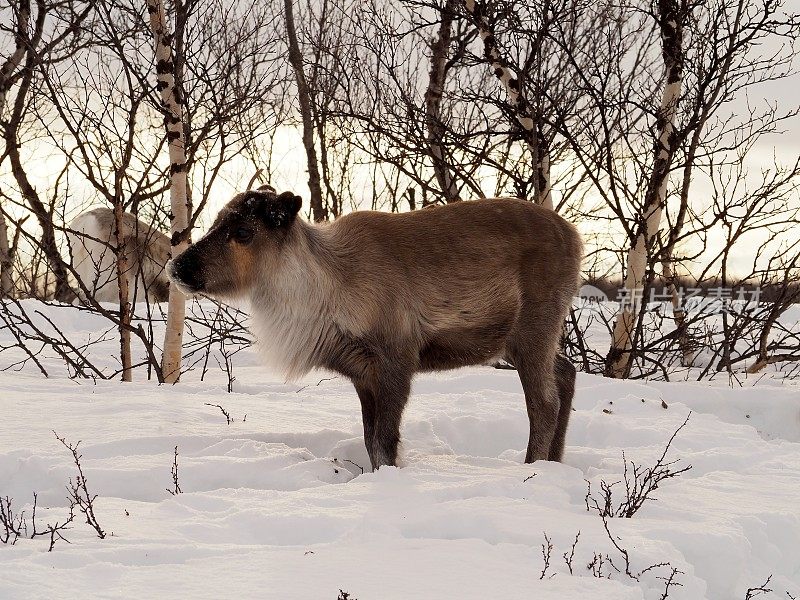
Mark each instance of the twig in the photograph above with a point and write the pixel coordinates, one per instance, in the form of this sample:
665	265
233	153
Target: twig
568	557
623	552
52	531
78	490
639	483
547	549
224	412
757	591
596	566
316	385
176	487
12	526
669	582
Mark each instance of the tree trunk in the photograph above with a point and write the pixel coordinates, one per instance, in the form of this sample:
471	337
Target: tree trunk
671	16
63	292
121	252
703	110
26	41
522	107
433	101
6	261
172	107
318	209
678	315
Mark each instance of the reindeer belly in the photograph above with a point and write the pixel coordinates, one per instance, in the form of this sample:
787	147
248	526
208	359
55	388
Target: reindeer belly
470	339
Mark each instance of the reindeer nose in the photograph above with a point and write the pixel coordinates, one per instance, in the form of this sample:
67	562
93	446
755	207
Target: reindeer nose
186	271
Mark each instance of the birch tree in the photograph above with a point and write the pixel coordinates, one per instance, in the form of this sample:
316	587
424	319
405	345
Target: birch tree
672	15
522	107
171	98
105	125
713	55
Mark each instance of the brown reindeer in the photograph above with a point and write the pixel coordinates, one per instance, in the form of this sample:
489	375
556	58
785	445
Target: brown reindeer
378	297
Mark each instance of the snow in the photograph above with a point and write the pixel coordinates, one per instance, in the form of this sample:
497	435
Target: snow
272	508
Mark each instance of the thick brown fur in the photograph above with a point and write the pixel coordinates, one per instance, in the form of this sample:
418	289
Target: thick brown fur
378	297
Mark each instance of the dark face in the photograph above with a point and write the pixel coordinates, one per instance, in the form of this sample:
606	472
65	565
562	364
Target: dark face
247	233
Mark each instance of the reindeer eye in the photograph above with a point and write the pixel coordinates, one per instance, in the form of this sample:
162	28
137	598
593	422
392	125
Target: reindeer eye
243	234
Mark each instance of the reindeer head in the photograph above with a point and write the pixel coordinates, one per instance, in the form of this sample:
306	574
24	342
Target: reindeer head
247	235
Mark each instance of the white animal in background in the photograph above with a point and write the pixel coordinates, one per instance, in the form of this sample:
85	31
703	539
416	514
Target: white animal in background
91	241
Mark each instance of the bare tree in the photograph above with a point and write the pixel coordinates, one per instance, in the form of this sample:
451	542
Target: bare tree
171	98
523	112
440	48
105	112
408	103
94	106
318	210
720	57
425	144
672	18
44	36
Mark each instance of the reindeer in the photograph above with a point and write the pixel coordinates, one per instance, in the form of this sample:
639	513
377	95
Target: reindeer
378	297
91	243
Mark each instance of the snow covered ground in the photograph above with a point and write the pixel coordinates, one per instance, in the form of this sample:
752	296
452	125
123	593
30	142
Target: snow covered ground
274	504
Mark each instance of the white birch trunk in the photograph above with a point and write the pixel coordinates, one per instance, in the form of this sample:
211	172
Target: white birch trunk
518	101
619	358
171	100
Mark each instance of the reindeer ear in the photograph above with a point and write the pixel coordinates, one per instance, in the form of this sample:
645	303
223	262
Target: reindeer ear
282	211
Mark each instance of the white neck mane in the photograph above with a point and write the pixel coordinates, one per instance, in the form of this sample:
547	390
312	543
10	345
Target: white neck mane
293	307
